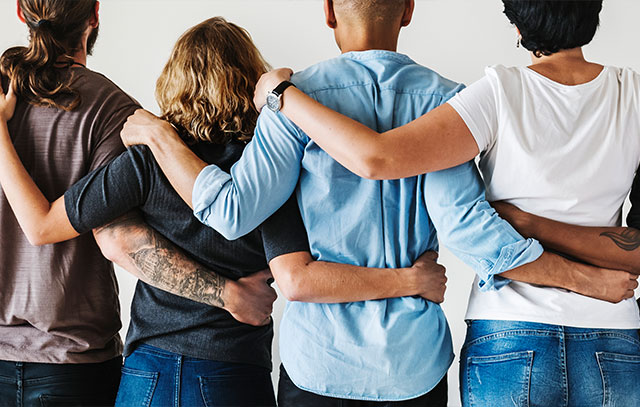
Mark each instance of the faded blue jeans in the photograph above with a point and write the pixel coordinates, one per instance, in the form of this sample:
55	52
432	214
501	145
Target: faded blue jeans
156	377
511	363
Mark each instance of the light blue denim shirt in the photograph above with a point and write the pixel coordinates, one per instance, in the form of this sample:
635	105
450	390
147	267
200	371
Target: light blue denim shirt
394	349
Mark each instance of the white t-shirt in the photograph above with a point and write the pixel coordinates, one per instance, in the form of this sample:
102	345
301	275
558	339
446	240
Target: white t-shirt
567	153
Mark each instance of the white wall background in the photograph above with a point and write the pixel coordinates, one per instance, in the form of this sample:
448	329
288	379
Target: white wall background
454	37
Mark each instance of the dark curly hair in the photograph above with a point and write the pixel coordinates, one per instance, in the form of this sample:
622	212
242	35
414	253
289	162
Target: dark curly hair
548	26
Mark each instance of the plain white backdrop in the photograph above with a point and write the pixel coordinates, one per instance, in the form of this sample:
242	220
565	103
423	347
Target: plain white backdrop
457	38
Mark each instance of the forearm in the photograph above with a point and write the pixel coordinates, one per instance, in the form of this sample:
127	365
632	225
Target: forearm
41	221
610	247
143	252
549	270
555	271
307	280
434	141
360	152
179	164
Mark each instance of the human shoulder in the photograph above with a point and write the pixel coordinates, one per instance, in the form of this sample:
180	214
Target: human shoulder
385	70
100	88
421	79
322	75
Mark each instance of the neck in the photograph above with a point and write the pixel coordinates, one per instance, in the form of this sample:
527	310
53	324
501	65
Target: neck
80	56
563	57
364	38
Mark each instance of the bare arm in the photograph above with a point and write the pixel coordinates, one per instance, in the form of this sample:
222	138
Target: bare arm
148	255
438	140
611	247
303	279
552	270
41	221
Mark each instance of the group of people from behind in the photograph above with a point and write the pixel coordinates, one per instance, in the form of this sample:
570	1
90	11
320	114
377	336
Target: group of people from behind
341	190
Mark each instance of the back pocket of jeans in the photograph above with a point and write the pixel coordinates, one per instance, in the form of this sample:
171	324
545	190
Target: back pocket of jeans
136	388
499	380
620	376
237	390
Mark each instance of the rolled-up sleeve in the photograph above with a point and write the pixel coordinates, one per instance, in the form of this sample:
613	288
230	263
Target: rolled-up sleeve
469	227
259	183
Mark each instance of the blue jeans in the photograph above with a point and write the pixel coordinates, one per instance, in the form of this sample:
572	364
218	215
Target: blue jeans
156	377
45	384
511	363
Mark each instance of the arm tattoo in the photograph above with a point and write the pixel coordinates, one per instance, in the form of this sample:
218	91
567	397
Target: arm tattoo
163	265
628	240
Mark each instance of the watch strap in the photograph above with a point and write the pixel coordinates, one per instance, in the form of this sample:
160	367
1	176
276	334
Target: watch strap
279	90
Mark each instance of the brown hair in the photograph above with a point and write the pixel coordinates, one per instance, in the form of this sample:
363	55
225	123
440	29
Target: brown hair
206	88
56	28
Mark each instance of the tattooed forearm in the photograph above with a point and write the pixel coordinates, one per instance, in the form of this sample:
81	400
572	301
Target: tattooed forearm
156	261
169	269
628	240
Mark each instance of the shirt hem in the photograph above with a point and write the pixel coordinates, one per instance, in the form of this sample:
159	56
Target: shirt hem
551	321
371	398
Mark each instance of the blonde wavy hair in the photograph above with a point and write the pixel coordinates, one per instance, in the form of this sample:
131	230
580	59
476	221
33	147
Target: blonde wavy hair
206	88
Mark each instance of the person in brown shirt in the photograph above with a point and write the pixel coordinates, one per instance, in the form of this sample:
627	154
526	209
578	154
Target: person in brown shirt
59	307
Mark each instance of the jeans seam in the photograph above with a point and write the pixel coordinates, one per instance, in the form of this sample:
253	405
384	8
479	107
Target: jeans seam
514	332
527	391
177	381
605	388
563	363
20	384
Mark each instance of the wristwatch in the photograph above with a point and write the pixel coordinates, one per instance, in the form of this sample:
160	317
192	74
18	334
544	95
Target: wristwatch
274	98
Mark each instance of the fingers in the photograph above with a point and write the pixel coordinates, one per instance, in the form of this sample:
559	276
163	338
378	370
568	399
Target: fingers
430	255
265	274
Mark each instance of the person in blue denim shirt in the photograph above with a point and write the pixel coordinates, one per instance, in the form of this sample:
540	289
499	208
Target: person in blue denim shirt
394	350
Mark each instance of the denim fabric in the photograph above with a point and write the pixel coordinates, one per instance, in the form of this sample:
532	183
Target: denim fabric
386	350
511	363
44	384
291	396
153	377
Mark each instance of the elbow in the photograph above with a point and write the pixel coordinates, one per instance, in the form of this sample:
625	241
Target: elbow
372	167
39	238
112	249
290	286
229	228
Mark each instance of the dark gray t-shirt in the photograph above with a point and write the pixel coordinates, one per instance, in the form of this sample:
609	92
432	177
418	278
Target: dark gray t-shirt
158	318
59	303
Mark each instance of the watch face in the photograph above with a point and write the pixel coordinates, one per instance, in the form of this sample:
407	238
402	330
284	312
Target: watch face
273	102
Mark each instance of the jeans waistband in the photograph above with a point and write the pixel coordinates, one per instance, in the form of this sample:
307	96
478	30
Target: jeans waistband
29	370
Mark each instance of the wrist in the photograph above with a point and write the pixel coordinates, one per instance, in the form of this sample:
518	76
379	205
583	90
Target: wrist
164	135
409	282
228	295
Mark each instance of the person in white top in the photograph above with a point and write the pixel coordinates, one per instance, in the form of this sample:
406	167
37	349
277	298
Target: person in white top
559	140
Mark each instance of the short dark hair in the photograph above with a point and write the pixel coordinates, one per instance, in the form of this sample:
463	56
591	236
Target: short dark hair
548	26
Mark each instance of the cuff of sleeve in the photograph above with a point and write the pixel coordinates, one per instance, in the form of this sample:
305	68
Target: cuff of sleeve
511	256
206	189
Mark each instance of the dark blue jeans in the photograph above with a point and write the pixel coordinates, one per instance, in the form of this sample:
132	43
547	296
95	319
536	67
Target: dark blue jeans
289	395
511	363
156	377
43	384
